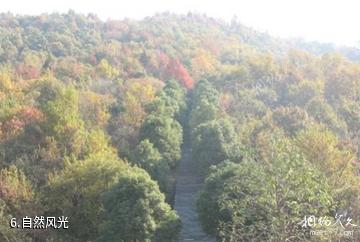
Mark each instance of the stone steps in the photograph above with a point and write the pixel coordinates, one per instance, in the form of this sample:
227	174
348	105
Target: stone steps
188	185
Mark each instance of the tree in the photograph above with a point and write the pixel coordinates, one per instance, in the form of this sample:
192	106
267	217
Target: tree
337	160
135	210
246	105
20	121
63	120
131	111
204	90
27	71
175	98
97	142
17	199
321	111
134	101
202	113
342	82
94	109
16	190
106	70
216	214
321	147
213	142
350	111
160	106
204	104
75	192
8	234
264	200
149	158
268	96
263	69
203	63
301	93
166	135
175	70
291	119
11	93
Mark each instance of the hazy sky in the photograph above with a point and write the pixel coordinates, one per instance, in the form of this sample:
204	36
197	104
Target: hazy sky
327	21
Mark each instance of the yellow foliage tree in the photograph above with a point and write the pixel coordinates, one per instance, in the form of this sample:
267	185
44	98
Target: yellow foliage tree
107	70
136	97
203	63
94	108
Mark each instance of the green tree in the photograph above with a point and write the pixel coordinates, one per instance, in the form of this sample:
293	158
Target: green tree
175	98
202	113
166	135
135	210
301	93
16	190
213	142
63	120
204	90
149	158
350	111
291	119
321	111
8	234
246	105
264	200
17	199
76	191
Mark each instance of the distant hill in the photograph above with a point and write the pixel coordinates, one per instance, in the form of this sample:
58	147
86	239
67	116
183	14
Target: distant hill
83	37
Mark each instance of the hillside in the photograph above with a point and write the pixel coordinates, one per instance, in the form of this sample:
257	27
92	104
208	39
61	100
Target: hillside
174	127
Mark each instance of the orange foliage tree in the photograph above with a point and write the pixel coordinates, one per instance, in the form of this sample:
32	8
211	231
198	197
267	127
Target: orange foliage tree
176	70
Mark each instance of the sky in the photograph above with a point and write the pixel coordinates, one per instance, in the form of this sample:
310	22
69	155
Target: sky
335	21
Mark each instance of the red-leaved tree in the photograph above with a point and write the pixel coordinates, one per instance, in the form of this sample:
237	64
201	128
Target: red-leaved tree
175	70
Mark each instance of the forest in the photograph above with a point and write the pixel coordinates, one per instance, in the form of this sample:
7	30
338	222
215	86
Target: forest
95	115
